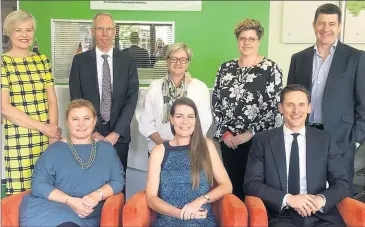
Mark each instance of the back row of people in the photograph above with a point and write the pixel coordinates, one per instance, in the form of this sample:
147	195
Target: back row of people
245	96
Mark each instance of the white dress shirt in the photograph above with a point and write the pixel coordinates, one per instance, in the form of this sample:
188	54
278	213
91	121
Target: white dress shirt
99	66
288	140
150	119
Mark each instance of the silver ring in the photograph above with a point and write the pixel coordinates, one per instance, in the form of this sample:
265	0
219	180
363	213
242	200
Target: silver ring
80	215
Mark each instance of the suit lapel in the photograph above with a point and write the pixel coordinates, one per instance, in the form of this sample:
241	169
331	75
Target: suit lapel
278	150
310	158
117	80
94	76
335	69
308	68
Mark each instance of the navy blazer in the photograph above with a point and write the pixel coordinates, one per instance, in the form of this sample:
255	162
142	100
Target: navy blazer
343	105
266	176
83	83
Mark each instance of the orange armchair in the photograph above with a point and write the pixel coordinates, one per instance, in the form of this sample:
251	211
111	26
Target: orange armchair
352	212
111	215
229	211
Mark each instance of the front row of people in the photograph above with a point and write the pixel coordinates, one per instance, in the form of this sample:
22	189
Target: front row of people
288	168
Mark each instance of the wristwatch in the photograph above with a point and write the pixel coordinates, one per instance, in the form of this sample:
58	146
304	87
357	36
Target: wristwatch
117	134
207	197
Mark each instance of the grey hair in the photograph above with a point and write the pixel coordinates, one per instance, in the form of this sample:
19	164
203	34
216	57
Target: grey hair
102	14
177	47
13	20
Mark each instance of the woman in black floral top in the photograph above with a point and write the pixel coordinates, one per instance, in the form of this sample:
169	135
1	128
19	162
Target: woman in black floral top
245	98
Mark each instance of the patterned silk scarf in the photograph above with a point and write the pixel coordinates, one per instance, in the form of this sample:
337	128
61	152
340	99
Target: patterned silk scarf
170	93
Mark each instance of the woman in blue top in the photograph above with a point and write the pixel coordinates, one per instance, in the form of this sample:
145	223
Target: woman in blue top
73	177
180	174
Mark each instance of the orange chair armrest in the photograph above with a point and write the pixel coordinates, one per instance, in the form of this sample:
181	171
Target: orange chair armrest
257	215
10	209
232	211
352	212
136	212
111	215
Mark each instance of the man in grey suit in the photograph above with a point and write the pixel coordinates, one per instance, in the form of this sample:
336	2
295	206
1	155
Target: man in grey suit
334	73
288	168
108	78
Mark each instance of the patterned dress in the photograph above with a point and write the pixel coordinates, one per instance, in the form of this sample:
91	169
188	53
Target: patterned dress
26	80
247	97
176	188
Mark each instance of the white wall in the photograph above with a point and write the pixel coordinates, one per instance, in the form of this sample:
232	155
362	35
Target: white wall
282	52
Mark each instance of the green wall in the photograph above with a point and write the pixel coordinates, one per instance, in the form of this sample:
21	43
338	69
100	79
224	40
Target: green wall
209	33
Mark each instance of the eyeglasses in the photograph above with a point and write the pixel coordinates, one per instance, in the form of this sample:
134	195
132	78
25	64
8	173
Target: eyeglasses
248	40
102	29
181	60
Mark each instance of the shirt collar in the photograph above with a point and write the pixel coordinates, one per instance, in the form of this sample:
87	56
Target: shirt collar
288	132
99	52
332	50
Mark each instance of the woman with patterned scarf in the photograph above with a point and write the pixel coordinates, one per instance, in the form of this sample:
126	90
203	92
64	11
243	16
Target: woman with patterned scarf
154	120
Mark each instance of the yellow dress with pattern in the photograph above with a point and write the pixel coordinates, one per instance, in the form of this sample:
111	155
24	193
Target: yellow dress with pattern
26	80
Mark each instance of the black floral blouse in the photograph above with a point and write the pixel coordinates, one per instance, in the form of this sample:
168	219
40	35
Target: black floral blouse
247	98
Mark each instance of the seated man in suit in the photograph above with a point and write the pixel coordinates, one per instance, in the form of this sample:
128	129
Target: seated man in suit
288	168
139	54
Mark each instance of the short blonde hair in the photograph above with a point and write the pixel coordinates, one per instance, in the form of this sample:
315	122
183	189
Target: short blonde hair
177	47
79	103
249	24
13	20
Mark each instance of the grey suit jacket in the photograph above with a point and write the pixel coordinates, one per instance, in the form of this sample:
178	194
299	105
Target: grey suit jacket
343	104
266	176
83	83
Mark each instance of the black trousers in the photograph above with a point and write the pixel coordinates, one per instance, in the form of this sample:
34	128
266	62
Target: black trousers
290	218
235	163
121	148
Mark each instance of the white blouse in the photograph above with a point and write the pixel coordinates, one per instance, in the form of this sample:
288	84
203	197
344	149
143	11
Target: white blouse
150	120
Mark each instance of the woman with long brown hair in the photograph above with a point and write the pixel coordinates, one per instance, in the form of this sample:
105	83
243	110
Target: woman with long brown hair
180	174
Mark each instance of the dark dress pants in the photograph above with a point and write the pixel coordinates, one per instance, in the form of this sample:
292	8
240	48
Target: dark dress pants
235	163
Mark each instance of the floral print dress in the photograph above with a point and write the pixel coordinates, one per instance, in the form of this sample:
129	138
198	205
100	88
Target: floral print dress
246	98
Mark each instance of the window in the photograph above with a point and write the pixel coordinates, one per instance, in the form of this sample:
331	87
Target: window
145	41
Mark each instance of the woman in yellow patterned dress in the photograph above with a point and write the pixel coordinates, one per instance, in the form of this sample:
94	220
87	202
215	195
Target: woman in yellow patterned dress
28	103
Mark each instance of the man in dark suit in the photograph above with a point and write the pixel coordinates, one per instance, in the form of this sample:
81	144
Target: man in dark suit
334	73
288	168
139	54
108	78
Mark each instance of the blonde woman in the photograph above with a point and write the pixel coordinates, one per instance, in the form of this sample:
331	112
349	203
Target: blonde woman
245	99
74	177
28	102
154	119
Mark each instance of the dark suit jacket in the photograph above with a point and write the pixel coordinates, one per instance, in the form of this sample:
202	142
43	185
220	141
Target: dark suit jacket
343	105
140	56
83	84
266	176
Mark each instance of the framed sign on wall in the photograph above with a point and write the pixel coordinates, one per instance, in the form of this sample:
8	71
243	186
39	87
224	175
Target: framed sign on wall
147	5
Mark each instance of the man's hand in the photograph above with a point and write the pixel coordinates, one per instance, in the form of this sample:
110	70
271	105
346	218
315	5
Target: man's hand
304	204
319	200
242	138
112	138
97	136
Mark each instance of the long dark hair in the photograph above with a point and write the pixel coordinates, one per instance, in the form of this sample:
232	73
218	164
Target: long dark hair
199	153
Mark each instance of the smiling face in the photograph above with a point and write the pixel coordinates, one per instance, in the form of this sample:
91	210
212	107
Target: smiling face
183	121
104	32
295	108
326	28
178	62
248	42
81	123
23	34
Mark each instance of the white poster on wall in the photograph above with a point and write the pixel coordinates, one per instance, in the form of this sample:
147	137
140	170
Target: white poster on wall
195	5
